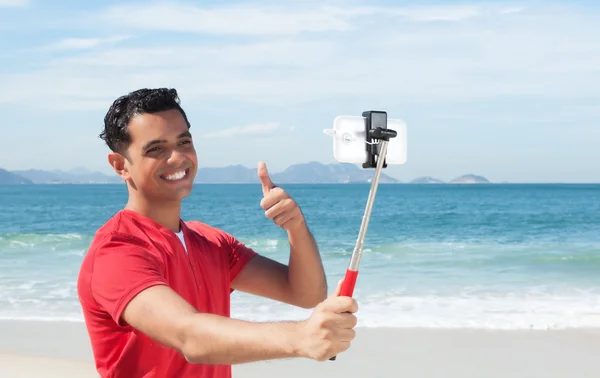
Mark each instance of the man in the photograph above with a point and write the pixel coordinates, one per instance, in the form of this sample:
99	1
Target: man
155	290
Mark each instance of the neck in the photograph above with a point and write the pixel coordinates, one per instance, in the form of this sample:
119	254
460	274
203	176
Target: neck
166	214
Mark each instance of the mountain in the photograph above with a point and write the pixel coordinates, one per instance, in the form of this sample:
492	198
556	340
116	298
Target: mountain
426	180
233	174
11	178
317	173
73	176
305	173
470	179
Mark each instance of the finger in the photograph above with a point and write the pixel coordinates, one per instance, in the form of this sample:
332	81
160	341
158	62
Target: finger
338	289
283	218
293	222
345	334
347	320
341	304
263	175
342	320
277	208
287	215
274	196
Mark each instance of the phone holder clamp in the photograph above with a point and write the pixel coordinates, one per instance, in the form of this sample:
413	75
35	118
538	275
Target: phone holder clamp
377	135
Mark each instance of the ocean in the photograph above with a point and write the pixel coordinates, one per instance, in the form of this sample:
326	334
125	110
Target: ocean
495	256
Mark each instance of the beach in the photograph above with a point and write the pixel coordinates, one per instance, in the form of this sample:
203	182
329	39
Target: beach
33	349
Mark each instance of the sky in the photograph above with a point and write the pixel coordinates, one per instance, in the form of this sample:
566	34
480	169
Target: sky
506	90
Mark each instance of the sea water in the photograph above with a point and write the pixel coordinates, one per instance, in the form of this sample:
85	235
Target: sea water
499	256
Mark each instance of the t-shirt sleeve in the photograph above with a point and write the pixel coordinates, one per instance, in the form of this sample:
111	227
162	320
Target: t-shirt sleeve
239	256
123	267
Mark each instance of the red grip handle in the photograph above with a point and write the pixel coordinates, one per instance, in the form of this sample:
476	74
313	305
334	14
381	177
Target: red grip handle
348	288
349	283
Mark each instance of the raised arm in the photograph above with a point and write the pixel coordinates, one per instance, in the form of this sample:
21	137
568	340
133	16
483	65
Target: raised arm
302	282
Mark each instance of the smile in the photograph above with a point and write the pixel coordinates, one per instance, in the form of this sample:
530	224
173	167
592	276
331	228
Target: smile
179	175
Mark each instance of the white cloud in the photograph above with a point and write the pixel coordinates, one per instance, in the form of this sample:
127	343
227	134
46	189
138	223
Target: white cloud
511	10
261	19
439	13
288	52
84	43
266	129
227	20
493	51
13	3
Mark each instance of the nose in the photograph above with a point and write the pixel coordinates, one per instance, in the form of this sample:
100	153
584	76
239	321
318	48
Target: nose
176	157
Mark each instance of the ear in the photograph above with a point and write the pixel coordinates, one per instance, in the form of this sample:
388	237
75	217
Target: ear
119	164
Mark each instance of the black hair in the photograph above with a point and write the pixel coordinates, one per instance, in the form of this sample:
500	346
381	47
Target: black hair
141	101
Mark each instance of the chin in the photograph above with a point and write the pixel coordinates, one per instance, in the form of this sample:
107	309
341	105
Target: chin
184	193
165	196
180	192
175	190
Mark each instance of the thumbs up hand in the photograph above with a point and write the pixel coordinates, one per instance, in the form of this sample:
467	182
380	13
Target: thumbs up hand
278	205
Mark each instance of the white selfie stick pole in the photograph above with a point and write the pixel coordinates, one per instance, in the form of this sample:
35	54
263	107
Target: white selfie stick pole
360	241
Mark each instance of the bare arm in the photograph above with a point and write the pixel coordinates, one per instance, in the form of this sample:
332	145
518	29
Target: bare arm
207	338
164	316
306	273
301	283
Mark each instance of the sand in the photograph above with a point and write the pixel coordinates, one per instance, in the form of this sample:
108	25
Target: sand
57	349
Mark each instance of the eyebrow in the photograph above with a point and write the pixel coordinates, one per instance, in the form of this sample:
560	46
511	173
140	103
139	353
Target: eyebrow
185	134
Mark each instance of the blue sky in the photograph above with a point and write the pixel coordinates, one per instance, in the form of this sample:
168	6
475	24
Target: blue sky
507	90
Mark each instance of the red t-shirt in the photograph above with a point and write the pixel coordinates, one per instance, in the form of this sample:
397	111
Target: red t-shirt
131	253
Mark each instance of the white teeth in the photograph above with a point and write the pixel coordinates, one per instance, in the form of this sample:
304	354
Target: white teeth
175	176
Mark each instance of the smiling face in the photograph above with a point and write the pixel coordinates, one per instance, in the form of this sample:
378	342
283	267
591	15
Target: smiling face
160	162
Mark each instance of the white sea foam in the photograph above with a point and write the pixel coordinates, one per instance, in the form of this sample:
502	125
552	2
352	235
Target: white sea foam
513	310
508	311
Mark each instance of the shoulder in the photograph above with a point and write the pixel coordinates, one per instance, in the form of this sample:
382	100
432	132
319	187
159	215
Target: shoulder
115	241
221	240
119	230
218	238
210	233
116	254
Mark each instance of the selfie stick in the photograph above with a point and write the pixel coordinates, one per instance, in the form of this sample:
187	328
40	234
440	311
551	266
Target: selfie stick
376	135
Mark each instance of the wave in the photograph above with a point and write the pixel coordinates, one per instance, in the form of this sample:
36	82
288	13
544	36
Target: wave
464	252
508	311
476	254
535	307
40	243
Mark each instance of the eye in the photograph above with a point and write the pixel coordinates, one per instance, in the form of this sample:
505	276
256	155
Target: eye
153	149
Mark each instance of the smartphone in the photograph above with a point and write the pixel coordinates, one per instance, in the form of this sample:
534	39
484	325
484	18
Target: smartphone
350	143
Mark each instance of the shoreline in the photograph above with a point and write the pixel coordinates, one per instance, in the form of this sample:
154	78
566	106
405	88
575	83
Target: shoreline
74	325
61	349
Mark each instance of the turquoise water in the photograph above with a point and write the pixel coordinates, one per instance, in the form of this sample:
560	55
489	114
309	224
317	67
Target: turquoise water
486	256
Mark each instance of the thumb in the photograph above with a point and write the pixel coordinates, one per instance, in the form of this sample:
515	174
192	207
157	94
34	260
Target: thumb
263	175
338	289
